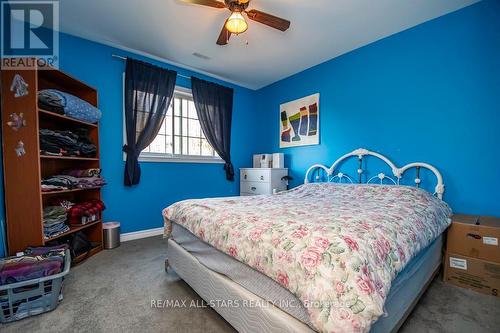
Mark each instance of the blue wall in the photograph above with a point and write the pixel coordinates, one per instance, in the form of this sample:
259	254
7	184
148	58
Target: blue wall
430	93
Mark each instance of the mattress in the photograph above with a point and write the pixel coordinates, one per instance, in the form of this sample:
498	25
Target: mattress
406	288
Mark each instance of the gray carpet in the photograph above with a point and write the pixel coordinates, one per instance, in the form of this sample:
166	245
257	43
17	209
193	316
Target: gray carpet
112	292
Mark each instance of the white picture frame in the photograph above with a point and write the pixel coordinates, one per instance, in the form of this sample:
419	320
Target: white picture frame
299	122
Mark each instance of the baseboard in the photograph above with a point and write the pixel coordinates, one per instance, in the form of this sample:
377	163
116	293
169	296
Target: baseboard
141	234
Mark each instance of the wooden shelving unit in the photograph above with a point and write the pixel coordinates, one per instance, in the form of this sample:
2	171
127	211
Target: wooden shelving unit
24	200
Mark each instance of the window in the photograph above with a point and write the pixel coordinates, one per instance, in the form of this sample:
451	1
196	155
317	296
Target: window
180	138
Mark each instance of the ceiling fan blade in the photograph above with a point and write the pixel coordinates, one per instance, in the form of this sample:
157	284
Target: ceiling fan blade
268	19
209	3
224	36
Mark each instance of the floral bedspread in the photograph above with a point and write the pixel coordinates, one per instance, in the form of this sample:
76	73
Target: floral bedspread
337	247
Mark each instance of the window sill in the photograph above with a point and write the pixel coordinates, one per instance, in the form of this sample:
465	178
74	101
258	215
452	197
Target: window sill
179	159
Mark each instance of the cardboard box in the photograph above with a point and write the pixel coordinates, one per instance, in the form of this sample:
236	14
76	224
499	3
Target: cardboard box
471	273
475	237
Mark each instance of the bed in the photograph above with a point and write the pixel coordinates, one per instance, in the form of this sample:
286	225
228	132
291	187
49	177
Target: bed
330	255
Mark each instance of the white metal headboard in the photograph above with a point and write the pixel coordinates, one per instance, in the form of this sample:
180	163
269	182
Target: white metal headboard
333	175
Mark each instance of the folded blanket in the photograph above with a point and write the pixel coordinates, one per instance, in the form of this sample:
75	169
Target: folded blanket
72	106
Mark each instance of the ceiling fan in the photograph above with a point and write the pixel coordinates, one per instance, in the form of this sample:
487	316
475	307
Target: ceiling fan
235	23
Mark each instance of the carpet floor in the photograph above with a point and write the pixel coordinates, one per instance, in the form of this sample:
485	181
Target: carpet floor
113	292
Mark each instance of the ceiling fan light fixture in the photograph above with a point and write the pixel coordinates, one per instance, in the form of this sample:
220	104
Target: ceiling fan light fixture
236	23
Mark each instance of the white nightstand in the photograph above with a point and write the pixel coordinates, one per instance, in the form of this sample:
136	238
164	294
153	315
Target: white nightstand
255	181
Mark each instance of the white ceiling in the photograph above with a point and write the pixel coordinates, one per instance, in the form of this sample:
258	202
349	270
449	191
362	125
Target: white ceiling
320	30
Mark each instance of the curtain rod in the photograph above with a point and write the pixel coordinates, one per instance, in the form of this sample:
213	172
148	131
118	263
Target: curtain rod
124	58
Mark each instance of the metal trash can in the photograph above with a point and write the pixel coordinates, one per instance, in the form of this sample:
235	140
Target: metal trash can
111	235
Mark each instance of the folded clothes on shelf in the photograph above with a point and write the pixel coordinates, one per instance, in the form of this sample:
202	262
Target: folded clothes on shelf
50	101
54	213
85	212
60	181
66	182
66	143
70	105
55	230
54	221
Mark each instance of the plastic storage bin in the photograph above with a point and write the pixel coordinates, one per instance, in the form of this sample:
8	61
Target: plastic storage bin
111	234
32	297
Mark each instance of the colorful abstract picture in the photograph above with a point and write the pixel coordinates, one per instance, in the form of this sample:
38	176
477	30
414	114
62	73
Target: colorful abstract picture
299	122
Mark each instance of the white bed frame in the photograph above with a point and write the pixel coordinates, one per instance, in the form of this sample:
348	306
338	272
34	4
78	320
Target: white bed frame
334	175
214	286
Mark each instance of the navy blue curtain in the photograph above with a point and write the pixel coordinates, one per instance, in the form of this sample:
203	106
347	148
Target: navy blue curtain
214	105
148	93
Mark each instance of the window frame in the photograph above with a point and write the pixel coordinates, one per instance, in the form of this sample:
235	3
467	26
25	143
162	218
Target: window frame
164	157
